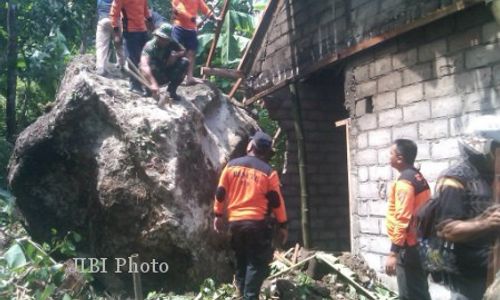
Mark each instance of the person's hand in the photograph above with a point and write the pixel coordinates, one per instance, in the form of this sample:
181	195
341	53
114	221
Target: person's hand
193	20
117	37
493	220
217	19
218	224
390	264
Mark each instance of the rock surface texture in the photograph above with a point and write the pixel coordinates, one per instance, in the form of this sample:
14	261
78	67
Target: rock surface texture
129	176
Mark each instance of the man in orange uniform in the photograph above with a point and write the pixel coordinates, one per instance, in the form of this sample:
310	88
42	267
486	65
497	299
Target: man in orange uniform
406	196
134	14
249	190
185	29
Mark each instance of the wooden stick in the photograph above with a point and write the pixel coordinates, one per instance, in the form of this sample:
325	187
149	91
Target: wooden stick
266	92
296	253
495	267
283	259
137	278
218	29
292	267
225	73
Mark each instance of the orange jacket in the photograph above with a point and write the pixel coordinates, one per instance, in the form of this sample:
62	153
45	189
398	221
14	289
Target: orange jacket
406	196
133	12
185	11
249	189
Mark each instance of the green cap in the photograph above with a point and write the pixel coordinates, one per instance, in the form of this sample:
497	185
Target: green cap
164	31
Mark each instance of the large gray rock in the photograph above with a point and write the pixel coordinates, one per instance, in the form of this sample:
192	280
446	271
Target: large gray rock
129	176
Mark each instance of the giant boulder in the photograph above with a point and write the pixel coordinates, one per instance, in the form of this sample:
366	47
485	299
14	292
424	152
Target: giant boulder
129	176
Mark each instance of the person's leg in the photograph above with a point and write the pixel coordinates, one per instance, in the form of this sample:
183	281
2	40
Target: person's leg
239	247
260	255
417	283
102	40
134	42
176	74
188	39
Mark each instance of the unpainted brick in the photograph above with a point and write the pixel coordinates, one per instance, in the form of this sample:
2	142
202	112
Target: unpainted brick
446	106
369	225
432	50
491	32
361	73
380	137
410	94
404	59
368	190
384	156
469	38
407	132
496	74
380	67
380	173
362	140
434	129
482	100
374	261
360	107
390	82
449	65
366	157
385	101
473	80
445	148
367	122
482	55
416	112
424	150
440	87
390	117
363	174
431	169
417	73
365	89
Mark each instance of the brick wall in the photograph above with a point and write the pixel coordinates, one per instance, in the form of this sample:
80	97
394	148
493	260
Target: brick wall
305	31
425	85
326	164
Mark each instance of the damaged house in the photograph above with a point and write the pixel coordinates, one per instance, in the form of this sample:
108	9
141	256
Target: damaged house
344	78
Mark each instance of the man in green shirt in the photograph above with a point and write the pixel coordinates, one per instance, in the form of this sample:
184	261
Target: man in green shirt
163	61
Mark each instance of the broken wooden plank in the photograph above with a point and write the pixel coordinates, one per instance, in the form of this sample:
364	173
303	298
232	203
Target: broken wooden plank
225	73
296	253
218	29
292	267
266	92
331	261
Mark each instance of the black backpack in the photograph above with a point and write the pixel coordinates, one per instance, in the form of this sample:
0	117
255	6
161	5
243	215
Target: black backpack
437	255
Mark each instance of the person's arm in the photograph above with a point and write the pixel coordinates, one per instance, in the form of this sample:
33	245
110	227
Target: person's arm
277	203
463	231
221	199
148	74
180	51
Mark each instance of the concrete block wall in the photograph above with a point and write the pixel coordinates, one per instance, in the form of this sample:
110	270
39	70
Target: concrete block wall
425	85
304	31
326	166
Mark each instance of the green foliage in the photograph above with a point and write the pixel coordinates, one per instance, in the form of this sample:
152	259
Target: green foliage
26	267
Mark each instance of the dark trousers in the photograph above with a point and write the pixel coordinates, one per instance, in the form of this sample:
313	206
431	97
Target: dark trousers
251	242
412	279
174	74
134	42
463	288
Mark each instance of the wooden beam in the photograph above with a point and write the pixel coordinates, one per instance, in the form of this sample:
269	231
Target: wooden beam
495	268
255	43
218	29
267	92
219	72
369	43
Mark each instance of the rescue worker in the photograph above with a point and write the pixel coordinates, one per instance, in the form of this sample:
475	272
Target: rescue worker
163	61
468	218
103	37
134	14
406	196
185	29
249	190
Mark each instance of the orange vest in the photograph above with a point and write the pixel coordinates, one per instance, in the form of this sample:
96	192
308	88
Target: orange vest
134	14
185	11
248	190
406	196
